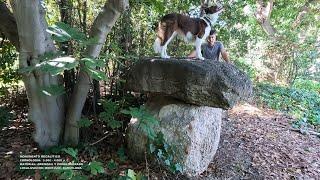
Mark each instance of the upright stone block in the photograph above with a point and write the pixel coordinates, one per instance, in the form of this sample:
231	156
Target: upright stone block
194	131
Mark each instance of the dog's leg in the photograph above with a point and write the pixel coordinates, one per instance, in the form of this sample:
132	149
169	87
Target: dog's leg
198	48
164	47
157	45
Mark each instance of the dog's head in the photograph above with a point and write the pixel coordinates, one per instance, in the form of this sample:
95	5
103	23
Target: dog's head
212	11
210	7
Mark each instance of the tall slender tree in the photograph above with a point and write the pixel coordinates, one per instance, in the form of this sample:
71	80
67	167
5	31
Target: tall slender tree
53	116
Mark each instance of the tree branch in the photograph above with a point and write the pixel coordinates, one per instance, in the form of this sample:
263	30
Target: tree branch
269	8
303	11
8	25
263	14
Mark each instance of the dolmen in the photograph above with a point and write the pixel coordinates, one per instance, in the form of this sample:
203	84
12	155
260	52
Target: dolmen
187	97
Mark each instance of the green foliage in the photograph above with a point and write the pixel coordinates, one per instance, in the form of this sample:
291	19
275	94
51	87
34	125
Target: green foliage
52	64
5	116
307	85
63	174
146	120
132	175
62	32
53	90
72	152
244	66
112	165
90	66
164	153
57	65
8	63
84	123
302	104
121	154
111	109
156	142
281	60
289	58
95	167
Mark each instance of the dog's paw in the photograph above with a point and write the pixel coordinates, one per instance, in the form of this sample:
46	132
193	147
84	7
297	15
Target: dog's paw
165	56
201	58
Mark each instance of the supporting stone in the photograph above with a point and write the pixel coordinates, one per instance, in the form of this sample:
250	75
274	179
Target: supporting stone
194	131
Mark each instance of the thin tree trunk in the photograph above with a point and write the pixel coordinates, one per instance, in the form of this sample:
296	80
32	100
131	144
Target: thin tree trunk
268	28
66	7
101	27
262	15
84	24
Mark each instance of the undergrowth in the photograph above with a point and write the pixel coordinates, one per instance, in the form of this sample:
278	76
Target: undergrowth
5	116
94	165
302	104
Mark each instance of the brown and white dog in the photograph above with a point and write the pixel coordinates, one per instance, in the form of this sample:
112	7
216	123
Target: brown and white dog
194	30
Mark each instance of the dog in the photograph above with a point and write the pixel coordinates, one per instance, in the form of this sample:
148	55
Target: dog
194	30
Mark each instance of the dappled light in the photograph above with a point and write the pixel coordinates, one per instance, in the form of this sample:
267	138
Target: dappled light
88	89
249	109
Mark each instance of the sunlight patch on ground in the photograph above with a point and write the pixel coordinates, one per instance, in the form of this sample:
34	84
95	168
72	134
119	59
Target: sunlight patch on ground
246	108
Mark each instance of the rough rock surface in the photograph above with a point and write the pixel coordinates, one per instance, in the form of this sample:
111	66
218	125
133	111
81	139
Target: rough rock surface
194	131
204	83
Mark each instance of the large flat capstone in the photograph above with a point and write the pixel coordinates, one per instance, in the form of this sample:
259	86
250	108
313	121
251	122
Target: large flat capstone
204	83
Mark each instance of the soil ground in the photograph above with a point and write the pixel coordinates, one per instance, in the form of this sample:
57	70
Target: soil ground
255	143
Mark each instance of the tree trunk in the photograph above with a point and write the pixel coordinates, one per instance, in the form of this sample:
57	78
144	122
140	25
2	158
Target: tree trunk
66	7
47	112
101	27
268	28
8	25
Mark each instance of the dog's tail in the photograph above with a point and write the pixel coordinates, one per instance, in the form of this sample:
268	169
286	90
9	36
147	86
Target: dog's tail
157	45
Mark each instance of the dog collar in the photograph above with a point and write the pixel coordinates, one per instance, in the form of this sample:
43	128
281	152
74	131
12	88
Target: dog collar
207	20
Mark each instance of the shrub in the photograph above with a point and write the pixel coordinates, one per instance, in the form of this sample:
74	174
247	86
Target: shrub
5	116
302	104
307	85
246	67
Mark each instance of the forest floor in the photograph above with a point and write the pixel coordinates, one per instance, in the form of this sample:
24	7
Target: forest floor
260	143
255	143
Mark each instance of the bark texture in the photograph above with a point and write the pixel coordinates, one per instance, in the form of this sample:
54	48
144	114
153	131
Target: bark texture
47	112
8	25
101	27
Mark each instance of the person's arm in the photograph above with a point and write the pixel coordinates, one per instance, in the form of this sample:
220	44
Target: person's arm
224	54
192	54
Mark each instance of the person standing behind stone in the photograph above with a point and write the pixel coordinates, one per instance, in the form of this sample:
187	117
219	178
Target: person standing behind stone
212	49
